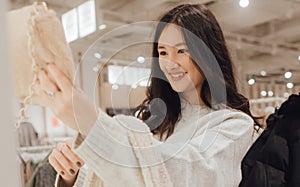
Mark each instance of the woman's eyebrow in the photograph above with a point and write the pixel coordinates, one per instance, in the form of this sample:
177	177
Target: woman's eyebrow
161	47
176	45
179	44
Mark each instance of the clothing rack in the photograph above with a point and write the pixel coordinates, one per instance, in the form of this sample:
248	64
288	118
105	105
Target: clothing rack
35	168
36	149
263	107
34	153
266	100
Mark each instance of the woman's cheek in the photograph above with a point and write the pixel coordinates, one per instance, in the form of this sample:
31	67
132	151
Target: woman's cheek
162	66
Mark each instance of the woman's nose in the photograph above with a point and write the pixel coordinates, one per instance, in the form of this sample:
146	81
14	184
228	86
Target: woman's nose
171	64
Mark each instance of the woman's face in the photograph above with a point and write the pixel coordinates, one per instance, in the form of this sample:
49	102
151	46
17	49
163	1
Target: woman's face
175	62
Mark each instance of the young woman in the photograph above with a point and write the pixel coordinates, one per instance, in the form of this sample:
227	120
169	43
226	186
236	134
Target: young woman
192	130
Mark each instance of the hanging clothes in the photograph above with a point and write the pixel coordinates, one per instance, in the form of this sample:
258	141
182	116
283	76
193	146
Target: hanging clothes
274	159
27	135
43	176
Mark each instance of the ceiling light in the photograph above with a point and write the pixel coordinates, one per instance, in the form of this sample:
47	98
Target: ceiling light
140	59
263	93
134	86
263	73
290	85
270	93
299	57
244	3
97	55
251	81
96	68
286	94
288	74
102	26
115	86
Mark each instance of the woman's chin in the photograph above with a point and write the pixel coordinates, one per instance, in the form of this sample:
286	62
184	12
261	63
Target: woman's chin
178	88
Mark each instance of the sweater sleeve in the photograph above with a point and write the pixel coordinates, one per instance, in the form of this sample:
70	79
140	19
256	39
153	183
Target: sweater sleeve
123	152
106	150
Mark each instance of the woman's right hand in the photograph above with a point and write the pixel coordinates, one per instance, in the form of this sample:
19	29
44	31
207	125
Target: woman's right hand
65	162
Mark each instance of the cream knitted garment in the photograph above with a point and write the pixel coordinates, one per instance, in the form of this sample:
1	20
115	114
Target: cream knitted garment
205	150
36	37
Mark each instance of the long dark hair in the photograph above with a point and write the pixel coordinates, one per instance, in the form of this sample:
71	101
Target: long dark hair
194	20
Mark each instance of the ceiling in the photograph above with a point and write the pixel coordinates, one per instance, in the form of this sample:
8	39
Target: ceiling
263	36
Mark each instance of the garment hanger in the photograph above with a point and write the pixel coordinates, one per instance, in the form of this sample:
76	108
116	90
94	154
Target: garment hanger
36	149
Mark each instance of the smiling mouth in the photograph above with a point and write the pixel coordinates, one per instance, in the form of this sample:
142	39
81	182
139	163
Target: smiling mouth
177	76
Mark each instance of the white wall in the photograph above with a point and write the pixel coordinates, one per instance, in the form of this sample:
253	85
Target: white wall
9	168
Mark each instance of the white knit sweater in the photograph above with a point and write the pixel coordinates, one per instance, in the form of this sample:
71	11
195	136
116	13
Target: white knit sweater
205	150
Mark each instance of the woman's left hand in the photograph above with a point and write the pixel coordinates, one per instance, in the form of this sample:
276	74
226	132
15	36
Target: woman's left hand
69	103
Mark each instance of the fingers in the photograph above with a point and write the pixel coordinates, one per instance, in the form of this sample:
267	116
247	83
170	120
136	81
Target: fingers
48	89
65	161
55	164
71	156
61	79
46	84
67	167
40	95
45	90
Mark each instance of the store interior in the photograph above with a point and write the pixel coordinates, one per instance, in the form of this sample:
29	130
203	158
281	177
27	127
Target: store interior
110	43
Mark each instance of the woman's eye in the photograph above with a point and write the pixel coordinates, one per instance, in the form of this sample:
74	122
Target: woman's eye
182	51
162	53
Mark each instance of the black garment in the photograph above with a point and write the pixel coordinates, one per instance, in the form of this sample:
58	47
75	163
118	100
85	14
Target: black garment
274	158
